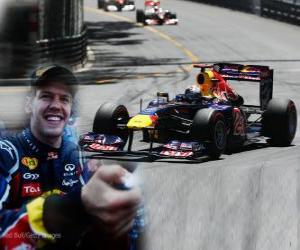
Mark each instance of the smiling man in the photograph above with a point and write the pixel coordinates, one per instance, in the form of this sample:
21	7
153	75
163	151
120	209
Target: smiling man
43	196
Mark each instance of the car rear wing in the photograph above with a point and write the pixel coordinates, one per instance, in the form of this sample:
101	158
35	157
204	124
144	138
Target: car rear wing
250	73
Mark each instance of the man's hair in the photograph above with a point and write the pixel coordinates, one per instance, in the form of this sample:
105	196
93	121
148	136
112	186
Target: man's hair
53	73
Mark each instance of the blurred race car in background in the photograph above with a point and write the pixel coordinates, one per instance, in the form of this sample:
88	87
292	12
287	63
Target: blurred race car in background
153	14
116	5
192	126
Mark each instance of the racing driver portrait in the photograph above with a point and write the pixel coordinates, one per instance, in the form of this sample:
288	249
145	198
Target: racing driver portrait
45	200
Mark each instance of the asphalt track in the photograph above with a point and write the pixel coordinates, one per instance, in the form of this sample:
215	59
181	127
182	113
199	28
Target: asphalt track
246	200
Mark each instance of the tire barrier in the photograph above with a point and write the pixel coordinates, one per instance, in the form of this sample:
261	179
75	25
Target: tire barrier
283	10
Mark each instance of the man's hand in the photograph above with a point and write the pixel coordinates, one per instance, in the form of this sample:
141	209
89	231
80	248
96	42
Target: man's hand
114	210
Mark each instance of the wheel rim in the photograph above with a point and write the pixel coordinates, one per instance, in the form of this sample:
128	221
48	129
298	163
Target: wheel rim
219	135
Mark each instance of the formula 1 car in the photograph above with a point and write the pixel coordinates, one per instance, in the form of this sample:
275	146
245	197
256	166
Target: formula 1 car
116	5
191	126
153	14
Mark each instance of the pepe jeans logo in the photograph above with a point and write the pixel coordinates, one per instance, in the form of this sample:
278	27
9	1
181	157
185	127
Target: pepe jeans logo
30	162
69	183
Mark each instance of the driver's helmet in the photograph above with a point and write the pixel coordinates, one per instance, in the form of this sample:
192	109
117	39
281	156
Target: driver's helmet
193	90
192	93
205	82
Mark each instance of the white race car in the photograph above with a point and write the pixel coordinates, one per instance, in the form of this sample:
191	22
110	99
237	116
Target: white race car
153	14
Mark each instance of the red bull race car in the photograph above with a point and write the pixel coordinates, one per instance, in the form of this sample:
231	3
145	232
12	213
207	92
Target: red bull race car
192	126
116	5
153	14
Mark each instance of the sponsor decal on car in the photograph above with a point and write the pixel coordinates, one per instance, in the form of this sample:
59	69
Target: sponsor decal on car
96	146
180	154
30	162
31	189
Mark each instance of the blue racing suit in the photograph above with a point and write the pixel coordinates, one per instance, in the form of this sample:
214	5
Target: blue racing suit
31	172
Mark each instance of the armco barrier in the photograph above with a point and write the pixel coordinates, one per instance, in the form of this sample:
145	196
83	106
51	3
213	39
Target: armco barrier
288	11
245	5
283	10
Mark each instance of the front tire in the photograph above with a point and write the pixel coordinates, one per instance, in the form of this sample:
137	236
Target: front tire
107	119
279	122
209	125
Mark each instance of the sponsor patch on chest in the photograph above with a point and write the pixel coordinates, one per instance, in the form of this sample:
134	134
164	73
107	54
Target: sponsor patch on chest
31	189
30	162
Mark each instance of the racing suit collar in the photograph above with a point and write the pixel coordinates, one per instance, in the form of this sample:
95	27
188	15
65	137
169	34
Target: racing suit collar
34	144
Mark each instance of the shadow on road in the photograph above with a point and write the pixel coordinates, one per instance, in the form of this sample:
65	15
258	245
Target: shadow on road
107	41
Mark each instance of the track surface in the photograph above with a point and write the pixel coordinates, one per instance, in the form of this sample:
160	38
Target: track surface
247	200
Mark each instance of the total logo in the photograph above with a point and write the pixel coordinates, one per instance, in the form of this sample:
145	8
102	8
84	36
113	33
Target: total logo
31	189
30	176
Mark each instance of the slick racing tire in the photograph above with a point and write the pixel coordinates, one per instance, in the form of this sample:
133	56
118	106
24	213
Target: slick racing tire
209	126
140	16
279	122
105	8
100	4
107	119
173	15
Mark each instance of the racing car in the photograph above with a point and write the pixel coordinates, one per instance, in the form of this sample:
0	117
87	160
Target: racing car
153	14
192	126
116	5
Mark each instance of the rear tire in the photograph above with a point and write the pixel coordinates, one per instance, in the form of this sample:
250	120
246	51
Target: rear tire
105	6
140	16
279	122
107	119
100	4
209	125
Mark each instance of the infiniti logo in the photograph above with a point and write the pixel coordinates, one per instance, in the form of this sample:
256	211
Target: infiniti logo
69	167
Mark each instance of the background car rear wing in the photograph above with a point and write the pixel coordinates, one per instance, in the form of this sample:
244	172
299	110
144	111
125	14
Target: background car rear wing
252	73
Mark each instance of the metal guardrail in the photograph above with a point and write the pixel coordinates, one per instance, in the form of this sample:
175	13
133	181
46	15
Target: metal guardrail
245	5
283	10
70	50
288	11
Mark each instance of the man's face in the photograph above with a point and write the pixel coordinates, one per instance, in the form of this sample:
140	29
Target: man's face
50	109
